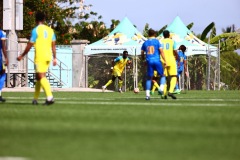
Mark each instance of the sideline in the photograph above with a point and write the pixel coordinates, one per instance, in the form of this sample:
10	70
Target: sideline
28	89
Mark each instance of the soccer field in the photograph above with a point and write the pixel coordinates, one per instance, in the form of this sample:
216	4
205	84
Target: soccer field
199	125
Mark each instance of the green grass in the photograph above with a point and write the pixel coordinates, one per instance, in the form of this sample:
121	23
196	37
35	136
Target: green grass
199	125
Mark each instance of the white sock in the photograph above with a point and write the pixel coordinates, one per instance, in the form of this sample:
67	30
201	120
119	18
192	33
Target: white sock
49	98
147	93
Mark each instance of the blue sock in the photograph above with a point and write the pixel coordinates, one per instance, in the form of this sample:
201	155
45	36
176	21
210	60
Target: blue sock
163	80
148	84
176	87
2	80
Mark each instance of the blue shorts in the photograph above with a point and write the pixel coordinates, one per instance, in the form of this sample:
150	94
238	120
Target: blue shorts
154	65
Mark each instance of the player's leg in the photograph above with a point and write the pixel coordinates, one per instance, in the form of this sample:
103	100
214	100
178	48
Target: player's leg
161	71
41	70
120	83
2	81
150	71
173	74
108	83
114	76
155	85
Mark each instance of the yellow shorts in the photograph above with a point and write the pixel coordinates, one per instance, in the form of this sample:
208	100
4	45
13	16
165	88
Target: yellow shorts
170	70
42	67
116	73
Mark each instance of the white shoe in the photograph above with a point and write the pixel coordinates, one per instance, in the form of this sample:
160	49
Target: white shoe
103	88
120	90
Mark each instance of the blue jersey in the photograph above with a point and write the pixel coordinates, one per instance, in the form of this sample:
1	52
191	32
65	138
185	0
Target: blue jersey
2	37
180	62
151	48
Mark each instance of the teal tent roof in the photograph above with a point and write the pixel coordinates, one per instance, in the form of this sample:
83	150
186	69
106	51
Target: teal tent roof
183	36
124	37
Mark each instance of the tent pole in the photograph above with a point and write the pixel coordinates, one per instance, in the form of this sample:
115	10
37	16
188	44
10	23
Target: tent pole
136	71
219	61
209	65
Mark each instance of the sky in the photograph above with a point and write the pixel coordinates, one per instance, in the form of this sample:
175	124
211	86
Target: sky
158	13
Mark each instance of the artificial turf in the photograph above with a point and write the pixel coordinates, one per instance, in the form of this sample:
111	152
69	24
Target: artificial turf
199	125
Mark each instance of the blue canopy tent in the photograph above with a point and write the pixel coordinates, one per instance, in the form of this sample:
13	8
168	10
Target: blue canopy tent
124	37
183	36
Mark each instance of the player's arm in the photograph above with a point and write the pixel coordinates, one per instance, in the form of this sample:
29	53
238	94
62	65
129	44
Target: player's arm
54	50
163	56
175	55
28	47
4	51
54	53
29	44
142	55
185	67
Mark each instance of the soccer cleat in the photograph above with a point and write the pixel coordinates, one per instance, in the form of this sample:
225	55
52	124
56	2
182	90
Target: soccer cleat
120	90
147	98
171	95
163	97
151	93
34	102
2	99
103	88
47	103
160	92
177	91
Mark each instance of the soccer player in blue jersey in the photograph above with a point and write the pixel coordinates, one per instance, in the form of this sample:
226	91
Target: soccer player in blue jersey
119	64
2	66
43	38
151	51
170	70
181	66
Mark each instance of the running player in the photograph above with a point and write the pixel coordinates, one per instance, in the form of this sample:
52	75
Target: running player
119	64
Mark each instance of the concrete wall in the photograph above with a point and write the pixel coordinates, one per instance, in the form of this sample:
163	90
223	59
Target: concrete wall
79	67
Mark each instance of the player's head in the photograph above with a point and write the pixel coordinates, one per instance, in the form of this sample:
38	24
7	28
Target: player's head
182	48
125	54
166	34
151	33
39	17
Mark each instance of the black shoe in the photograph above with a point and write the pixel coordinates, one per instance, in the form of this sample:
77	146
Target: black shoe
163	97
147	98
171	95
49	102
2	99
34	102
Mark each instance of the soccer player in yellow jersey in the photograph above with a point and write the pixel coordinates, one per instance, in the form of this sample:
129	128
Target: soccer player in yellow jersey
155	85
43	38
119	64
170	70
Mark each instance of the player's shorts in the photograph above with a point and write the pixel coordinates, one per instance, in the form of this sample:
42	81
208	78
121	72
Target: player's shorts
116	73
170	70
42	67
154	65
1	67
179	72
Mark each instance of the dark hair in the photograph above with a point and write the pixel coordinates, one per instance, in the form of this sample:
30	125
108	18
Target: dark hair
125	54
39	16
166	34
182	48
151	32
